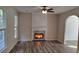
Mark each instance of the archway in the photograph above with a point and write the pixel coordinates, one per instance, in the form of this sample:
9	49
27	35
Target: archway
71	32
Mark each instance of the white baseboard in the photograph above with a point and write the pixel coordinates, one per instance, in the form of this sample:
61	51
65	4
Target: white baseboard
10	48
25	40
50	39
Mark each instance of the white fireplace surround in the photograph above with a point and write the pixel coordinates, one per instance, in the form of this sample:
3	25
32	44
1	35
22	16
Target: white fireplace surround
39	23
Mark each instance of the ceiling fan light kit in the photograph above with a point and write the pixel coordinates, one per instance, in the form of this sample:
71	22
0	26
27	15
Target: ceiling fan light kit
45	10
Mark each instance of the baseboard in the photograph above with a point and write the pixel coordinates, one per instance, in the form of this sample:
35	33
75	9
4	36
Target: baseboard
7	51
61	41
50	39
31	40
25	40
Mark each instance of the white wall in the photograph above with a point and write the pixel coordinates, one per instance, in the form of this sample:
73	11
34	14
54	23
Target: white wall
39	20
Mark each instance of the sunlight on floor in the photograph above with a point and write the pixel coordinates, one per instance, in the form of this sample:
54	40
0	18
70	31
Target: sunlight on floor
71	46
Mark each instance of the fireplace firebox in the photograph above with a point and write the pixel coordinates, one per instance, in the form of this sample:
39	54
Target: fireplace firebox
39	36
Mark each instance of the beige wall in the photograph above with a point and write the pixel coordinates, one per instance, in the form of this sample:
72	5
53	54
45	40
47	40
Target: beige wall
52	27
62	19
10	41
25	26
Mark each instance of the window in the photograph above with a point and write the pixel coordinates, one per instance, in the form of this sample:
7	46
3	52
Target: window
15	27
2	30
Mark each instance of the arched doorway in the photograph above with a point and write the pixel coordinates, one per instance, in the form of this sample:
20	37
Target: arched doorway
71	32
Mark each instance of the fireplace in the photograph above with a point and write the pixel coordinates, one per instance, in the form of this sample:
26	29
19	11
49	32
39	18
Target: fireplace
39	36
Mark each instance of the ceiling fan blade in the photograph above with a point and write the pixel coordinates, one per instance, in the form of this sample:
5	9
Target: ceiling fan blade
50	11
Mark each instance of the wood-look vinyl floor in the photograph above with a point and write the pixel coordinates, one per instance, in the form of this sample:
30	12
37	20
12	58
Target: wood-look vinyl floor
31	47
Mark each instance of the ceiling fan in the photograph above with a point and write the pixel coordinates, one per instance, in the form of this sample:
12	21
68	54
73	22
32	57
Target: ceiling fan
45	9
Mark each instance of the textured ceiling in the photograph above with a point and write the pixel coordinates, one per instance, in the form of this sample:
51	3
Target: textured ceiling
37	9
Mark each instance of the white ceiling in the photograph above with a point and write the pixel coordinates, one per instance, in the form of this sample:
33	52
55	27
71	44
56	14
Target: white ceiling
37	9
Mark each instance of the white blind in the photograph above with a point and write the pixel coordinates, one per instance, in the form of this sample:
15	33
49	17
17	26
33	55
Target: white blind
2	31
2	42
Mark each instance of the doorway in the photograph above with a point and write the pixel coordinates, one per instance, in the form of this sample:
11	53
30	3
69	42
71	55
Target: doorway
71	32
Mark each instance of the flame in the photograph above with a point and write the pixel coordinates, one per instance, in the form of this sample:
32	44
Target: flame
39	36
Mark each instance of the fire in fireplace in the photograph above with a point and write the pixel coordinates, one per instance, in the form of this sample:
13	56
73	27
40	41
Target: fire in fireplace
39	36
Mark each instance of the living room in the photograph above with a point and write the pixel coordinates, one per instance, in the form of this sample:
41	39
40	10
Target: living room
27	30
